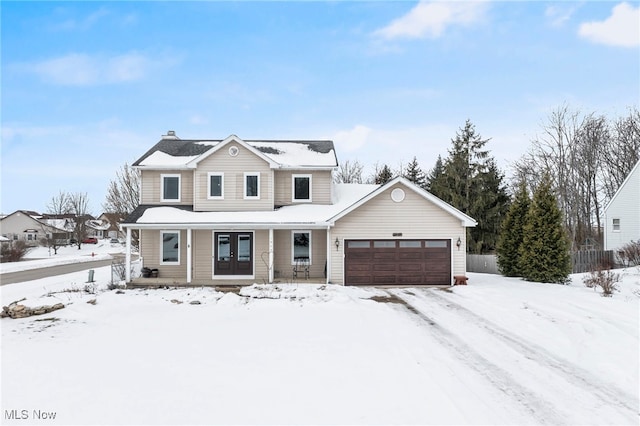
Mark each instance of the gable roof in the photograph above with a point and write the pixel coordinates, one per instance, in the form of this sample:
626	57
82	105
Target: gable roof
468	221
635	169
172	152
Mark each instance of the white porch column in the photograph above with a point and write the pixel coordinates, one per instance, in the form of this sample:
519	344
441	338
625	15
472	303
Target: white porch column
189	256
127	256
271	272
329	245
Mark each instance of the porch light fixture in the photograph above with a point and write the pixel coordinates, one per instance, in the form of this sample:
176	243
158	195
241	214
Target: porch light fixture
337	243
458	243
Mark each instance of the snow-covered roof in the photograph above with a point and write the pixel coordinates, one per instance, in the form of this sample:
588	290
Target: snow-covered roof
309	215
172	152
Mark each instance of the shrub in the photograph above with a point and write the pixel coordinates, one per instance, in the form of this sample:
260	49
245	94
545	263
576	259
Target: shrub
606	279
14	251
630	253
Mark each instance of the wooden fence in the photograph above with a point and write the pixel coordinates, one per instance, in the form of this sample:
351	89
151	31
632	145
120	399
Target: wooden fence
581	261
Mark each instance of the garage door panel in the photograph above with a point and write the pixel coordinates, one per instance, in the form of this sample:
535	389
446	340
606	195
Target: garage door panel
359	267
411	279
382	267
385	279
410	255
398	262
410	267
385	255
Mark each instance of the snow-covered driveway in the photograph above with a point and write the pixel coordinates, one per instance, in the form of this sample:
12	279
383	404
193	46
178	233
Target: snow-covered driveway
498	351
553	390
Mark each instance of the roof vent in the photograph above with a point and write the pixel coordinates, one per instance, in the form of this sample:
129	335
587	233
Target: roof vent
171	134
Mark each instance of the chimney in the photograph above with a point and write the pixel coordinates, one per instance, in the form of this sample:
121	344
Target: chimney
171	134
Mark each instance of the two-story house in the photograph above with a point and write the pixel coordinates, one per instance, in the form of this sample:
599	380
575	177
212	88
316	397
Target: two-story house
233	211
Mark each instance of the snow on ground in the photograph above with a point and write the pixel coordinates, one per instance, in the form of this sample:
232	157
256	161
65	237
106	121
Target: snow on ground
43	257
498	351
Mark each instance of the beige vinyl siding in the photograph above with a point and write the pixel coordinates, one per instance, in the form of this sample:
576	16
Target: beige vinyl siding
415	217
233	169
151	186
320	186
150	252
283	265
202	256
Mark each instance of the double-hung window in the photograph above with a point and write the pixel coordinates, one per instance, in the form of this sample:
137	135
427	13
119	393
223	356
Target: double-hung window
300	247
216	186
251	185
170	187
616	225
301	188
169	247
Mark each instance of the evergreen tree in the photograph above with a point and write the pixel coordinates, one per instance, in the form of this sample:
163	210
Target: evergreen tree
544	253
434	181
414	173
383	175
471	182
510	240
489	203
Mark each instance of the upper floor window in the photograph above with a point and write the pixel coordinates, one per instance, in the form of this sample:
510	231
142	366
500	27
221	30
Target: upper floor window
616	225
301	188
216	186
170	187
252	185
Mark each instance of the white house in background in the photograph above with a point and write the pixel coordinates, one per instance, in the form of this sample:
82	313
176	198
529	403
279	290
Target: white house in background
31	227
234	211
622	213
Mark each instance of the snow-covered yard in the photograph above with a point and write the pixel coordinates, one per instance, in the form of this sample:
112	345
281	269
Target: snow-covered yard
498	351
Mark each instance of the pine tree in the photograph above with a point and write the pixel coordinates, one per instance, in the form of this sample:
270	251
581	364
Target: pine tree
544	253
471	182
434	181
414	173
383	175
510	240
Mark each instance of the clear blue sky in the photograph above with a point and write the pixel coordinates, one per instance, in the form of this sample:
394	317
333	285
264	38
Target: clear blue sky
88	86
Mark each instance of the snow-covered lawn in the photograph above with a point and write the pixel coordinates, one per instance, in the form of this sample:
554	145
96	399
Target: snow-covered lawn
43	257
498	351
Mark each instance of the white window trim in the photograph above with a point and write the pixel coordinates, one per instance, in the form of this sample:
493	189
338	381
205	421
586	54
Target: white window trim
613	224
170	200
176	231
293	188
308	231
244	186
216	197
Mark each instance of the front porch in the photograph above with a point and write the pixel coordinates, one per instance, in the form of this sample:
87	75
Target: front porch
220	286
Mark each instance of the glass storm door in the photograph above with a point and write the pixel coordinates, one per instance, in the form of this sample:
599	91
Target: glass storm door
233	253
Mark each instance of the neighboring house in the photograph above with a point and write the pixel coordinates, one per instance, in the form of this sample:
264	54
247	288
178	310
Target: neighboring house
114	220
239	211
97	228
622	213
30	227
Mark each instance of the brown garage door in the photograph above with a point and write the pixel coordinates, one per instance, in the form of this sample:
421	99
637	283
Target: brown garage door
397	262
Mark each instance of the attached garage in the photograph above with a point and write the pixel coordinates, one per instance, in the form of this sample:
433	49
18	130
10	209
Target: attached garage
398	262
398	234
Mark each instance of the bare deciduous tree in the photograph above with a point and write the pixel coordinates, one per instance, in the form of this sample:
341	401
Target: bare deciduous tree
79	207
123	194
58	206
588	158
349	172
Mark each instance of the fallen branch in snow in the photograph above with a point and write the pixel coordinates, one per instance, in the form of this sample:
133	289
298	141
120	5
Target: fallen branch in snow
15	310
